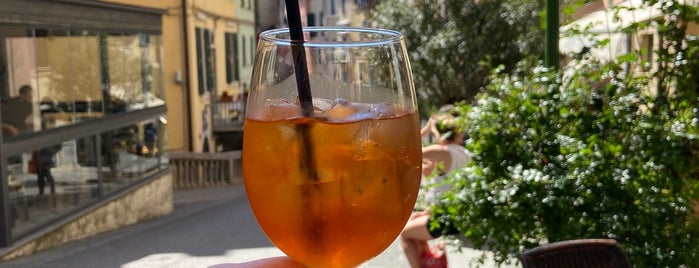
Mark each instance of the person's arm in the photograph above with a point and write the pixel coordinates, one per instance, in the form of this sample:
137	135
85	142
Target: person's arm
426	128
435	132
427	167
9	130
437	154
430	128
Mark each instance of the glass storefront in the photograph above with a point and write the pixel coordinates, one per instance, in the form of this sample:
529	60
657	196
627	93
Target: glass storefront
83	116
47	183
76	75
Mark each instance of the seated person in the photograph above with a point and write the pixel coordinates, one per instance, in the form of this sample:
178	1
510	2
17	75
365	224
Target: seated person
16	113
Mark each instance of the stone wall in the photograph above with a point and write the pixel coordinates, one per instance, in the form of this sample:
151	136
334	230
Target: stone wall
151	200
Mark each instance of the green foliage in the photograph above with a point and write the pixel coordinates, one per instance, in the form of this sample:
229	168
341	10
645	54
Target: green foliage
451	43
592	152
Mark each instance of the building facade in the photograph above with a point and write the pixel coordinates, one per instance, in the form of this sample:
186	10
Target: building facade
598	22
339	13
234	73
210	38
208	47
84	144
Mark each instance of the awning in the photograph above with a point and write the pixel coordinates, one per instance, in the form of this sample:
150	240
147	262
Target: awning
82	14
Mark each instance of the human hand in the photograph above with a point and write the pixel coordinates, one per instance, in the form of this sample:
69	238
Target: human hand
427	167
418	214
273	262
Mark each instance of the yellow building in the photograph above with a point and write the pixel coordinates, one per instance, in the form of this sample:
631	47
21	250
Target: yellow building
204	56
600	22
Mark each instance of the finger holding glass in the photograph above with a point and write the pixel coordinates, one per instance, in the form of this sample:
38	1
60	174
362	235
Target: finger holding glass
272	262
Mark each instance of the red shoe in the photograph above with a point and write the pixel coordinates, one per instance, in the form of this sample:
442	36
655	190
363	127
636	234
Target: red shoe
433	258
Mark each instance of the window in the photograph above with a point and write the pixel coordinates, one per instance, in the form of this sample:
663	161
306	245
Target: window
245	52
646	48
205	60
311	19
252	49
83	170
231	44
75	77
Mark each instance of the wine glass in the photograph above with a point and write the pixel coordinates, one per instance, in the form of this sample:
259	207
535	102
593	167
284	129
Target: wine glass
332	186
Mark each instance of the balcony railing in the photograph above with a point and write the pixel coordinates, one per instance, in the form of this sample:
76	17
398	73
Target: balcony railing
228	115
205	169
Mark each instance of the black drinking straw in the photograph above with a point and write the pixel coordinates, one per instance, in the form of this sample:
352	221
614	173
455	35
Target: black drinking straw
304	87
307	163
300	66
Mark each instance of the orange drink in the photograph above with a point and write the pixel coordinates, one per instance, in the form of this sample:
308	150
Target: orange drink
331	147
335	189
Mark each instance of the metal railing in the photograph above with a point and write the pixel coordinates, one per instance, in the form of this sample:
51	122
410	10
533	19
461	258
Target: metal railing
205	169
228	115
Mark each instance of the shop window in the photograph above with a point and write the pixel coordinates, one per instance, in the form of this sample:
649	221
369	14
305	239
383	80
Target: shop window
77	75
48	182
92	101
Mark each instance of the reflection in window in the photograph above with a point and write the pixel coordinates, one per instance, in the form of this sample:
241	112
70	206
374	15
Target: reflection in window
50	181
76	75
17	113
132	151
46	182
68	80
17	73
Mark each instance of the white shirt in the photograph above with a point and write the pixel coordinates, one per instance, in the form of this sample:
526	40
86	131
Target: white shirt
436	185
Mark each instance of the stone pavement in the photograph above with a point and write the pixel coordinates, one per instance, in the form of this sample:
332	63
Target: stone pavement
208	226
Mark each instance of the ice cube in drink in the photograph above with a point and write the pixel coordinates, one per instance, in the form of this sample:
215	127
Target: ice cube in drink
350	199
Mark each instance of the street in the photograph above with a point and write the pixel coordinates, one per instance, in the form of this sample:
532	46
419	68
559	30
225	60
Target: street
208	226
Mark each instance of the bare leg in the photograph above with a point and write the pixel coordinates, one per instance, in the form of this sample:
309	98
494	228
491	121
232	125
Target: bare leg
415	236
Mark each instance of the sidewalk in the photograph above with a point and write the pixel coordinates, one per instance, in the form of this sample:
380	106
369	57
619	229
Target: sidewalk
208	226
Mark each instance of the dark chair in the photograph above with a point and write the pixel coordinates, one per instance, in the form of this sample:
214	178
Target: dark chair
587	253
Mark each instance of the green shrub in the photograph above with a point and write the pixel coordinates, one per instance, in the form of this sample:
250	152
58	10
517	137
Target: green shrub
590	153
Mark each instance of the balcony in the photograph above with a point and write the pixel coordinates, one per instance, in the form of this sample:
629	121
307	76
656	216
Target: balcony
228	116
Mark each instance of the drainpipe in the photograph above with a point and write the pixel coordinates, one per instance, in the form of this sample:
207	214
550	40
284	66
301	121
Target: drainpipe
551	42
188	99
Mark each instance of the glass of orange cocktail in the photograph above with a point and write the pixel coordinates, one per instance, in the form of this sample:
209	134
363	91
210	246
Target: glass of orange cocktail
332	186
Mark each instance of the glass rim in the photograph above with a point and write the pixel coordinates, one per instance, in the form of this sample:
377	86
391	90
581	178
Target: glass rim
385	36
